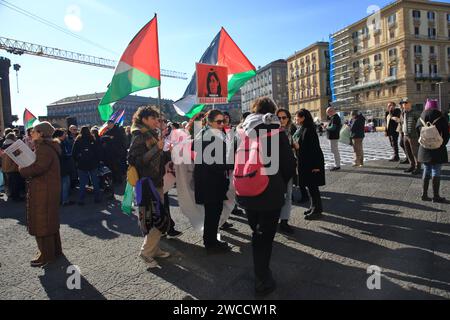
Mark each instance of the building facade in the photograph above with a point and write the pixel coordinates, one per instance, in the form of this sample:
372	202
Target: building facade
309	80
85	107
403	51
270	81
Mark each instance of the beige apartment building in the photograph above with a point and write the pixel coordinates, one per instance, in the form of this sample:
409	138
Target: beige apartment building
308	80
402	51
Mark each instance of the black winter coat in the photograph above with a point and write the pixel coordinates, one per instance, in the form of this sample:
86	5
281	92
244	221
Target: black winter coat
310	156
357	129
86	154
273	197
211	179
391	127
65	159
334	128
440	155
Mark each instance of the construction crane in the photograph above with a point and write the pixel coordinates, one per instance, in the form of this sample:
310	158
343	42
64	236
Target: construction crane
21	47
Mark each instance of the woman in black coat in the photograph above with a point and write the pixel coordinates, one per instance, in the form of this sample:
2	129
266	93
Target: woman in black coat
211	178
433	159
86	151
311	163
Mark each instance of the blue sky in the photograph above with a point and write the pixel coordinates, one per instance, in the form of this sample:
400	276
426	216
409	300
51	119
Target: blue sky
264	30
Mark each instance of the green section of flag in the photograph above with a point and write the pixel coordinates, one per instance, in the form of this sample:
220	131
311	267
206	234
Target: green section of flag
194	110
29	124
122	85
237	81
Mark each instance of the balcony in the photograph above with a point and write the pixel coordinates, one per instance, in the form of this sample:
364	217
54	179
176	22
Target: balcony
365	36
390	79
392	24
416	21
434	77
433	56
365	85
377	32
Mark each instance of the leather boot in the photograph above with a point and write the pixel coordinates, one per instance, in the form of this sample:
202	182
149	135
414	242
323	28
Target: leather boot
436	181
425	184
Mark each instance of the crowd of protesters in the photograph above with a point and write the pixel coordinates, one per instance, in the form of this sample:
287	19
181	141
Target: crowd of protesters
141	155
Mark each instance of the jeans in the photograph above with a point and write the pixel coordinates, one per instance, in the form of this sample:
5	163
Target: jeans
286	210
264	226
334	144
431	170
84	180
65	188
213	211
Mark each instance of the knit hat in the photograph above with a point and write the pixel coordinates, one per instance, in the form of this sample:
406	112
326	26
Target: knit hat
45	128
431	104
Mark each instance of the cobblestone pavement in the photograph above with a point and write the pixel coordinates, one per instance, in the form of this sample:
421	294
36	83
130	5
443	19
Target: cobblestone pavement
372	217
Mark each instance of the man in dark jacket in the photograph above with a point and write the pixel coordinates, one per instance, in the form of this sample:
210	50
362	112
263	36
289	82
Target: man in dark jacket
116	151
333	133
357	135
392	120
408	122
65	161
263	211
433	159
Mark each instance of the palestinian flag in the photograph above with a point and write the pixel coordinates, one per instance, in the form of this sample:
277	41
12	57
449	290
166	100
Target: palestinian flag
137	70
223	51
28	119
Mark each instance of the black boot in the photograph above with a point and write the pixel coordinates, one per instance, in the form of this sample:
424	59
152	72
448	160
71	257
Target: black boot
316	212
285	227
425	184
436	186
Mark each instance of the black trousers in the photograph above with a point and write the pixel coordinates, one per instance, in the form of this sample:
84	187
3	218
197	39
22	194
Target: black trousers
213	211
264	225
316	201
394	143
16	185
167	208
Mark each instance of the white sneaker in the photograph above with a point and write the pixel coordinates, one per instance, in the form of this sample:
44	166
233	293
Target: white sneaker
162	254
151	263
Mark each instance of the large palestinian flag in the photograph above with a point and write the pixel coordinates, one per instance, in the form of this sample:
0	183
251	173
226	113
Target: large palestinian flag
222	51
137	70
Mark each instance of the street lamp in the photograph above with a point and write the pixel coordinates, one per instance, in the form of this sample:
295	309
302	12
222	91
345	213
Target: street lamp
440	94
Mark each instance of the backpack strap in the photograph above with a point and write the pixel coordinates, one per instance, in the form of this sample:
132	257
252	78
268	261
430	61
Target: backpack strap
423	122
435	121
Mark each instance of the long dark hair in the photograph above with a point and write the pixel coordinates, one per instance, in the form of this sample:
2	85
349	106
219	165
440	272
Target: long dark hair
219	87
85	134
308	122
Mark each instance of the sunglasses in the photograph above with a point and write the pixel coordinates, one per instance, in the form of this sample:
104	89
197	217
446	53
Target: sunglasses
220	121
283	118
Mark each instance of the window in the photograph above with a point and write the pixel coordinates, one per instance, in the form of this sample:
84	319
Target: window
416	14
392	18
393	71
433	87
365	31
418	69
377	57
356	64
433	69
416	31
378	93
431	15
394	90
432	50
355	35
392	34
432	33
418	87
393	52
355	49
366	61
418	49
448	17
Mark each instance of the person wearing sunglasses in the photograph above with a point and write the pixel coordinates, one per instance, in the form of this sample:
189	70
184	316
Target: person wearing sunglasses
211	178
289	129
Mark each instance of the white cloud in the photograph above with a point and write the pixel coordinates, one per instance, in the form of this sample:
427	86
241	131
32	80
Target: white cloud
72	19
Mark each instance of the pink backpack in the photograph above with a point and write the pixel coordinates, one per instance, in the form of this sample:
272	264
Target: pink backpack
249	178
